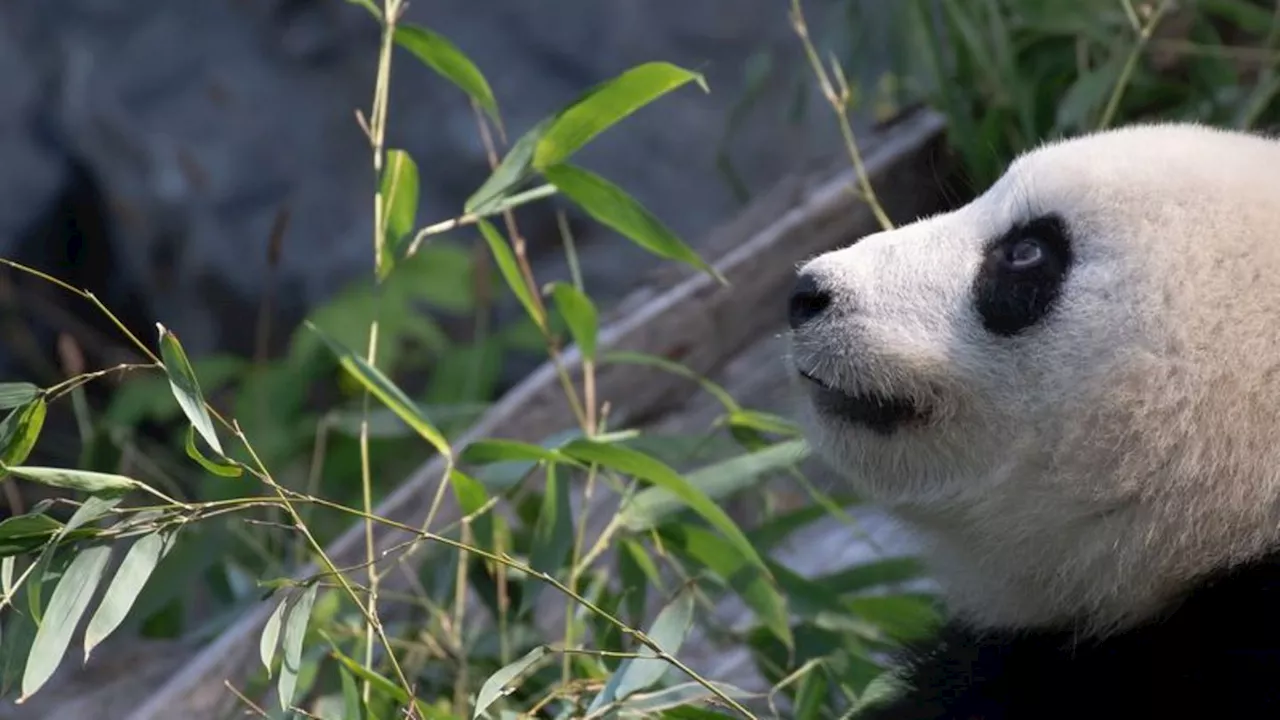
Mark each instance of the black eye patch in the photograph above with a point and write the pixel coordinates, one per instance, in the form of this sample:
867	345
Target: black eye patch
1021	275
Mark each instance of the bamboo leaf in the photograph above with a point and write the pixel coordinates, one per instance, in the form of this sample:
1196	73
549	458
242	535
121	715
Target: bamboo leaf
228	468
498	684
386	391
605	105
632	462
510	271
17	393
400	191
95	483
186	389
134	571
20	430
668	632
580	315
269	641
441	55
67	606
295	630
613	207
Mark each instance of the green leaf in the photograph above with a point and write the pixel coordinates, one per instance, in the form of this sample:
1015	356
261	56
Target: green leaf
295	630
762	421
485	452
812	696
883	571
22	533
631	462
552	532
514	169
756	589
580	315
399	191
269	641
605	105
182	380
668	632
17	393
95	483
506	261
67	605
350	696
383	686
647	705
651	506
498	683
386	391
130	577
20	430
451	63
613	207
229	468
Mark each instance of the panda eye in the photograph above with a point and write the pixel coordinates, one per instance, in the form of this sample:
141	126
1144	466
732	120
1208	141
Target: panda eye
1021	277
1025	253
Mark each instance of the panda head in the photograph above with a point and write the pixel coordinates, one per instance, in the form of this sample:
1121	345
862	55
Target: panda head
1070	387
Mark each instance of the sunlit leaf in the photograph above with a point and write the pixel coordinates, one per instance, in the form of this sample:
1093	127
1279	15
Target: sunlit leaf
386	391
634	674
451	63
67	606
182	380
20	430
631	462
225	468
17	393
762	421
295	629
399	191
651	506
580	315
134	571
510	271
269	640
83	480
605	105
613	207
515	168
499	683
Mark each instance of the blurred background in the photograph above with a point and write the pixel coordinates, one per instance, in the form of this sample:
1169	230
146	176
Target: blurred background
199	163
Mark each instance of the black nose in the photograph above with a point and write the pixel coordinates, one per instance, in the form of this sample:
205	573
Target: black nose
807	301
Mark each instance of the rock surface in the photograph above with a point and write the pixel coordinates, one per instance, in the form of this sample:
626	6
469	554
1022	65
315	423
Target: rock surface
149	145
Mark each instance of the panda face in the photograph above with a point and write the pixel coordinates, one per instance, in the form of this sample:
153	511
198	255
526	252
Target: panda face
1070	385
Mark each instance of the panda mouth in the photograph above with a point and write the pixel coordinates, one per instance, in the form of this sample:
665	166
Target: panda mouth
879	413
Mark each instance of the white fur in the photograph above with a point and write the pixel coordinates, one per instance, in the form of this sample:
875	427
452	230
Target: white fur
1087	469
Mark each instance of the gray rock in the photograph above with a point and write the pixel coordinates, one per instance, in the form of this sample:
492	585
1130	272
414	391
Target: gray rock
200	121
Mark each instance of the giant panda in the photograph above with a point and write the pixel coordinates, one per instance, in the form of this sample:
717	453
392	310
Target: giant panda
1069	390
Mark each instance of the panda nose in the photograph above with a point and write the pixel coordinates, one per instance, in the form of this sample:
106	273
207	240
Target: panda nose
807	301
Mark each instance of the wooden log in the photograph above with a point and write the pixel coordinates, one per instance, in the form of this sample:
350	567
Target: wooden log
686	317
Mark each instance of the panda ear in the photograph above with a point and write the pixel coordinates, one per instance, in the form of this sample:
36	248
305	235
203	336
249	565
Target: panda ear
1021	275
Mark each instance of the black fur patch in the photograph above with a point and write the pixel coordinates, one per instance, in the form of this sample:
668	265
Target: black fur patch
1216	654
1011	299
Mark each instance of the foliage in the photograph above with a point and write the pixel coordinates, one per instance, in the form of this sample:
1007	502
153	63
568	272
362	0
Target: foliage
222	506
